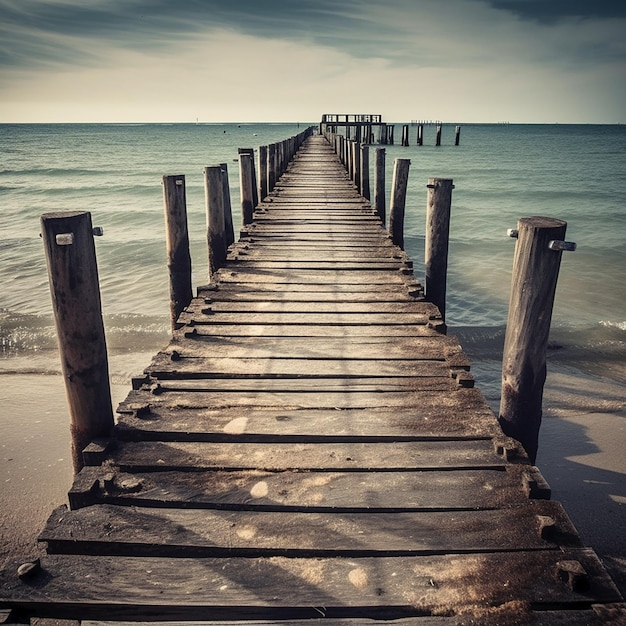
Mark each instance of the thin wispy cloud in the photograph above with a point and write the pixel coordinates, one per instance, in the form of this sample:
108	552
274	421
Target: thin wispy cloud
481	57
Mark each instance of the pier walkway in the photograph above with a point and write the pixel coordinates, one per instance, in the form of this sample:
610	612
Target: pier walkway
310	446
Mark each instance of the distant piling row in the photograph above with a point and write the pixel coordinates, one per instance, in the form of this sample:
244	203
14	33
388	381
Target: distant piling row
535	273
370	129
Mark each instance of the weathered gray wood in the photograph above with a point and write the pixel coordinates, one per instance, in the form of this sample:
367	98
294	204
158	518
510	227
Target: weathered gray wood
229	229
255	186
438	135
350	457
347	492
533	287
177	242
164	367
271	167
216	227
365	171
439	201
123	530
262	173
398	200
457	135
379	184
74	287
420	135
246	185
571	617
262	588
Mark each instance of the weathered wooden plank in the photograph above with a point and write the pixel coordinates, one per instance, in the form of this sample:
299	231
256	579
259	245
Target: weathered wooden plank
269	588
255	490
244	263
164	417
131	531
378	347
351	457
164	367
266	394
508	613
315	318
392	310
232	274
303	330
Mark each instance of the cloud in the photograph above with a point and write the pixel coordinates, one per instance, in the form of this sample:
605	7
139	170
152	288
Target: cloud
286	59
552	11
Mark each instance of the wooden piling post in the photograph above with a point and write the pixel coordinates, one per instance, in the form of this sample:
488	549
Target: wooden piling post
262	172
439	201
356	157
398	200
457	135
177	242
379	184
405	135
420	135
533	286
438	136
390	129
271	167
73	275
214	199
255	191
365	171
229	228
246	185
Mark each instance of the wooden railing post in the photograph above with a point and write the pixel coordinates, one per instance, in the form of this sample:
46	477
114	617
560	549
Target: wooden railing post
439	201
365	171
177	242
246	185
398	200
73	274
379	184
533	286
214	199
262	172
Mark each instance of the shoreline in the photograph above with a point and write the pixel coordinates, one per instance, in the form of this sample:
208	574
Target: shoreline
580	454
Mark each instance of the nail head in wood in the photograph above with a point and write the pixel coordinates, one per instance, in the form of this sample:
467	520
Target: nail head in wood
64	239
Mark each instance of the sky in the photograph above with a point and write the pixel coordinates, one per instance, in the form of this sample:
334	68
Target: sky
520	61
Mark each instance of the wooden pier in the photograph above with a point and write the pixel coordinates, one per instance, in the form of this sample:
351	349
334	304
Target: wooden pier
310	446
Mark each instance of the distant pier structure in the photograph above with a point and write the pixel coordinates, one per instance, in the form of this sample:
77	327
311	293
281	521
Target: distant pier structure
367	129
363	128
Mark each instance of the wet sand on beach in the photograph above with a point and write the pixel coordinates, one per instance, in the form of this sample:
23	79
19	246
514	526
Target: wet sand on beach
581	454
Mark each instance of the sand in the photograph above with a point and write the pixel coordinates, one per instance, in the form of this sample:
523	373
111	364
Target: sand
581	454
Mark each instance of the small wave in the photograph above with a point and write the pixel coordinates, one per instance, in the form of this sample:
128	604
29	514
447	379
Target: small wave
610	324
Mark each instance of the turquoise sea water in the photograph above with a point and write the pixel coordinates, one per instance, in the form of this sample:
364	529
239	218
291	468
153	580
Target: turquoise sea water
500	172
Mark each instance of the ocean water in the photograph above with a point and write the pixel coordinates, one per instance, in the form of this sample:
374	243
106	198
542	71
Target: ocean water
501	173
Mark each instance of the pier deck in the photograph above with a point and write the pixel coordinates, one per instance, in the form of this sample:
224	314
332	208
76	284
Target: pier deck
310	446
